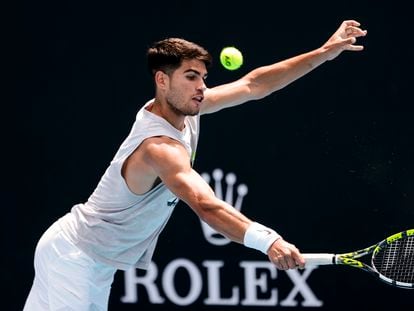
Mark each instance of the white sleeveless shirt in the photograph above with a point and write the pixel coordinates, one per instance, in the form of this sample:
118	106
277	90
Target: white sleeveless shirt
116	226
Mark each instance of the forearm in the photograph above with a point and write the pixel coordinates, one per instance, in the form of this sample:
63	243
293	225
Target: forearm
224	218
238	228
263	81
268	79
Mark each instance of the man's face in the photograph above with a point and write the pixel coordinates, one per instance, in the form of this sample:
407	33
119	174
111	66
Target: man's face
185	91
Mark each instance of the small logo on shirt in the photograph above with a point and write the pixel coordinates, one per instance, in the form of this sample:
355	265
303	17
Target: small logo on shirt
172	202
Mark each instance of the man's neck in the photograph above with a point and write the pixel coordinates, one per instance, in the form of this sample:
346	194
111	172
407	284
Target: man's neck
165	112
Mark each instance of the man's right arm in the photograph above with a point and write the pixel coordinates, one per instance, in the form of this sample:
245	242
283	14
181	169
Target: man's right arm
171	163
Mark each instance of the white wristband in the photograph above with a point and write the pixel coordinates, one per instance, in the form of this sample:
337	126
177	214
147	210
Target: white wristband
260	237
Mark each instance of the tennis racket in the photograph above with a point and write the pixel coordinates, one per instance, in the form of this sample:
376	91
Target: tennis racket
392	259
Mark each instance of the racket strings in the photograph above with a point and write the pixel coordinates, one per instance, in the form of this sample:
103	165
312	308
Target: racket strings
396	260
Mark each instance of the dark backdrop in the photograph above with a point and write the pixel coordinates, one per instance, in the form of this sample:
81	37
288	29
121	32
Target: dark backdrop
327	160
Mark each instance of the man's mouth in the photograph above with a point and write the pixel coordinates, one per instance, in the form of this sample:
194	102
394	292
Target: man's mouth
198	98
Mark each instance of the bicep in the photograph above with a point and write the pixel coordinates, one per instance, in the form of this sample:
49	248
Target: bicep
257	84
171	163
227	95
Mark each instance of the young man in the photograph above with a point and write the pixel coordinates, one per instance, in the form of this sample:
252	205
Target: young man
118	227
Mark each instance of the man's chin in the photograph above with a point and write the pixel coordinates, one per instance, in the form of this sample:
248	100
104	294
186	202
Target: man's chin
193	112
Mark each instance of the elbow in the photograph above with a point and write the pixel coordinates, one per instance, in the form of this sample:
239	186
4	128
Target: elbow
256	92
259	90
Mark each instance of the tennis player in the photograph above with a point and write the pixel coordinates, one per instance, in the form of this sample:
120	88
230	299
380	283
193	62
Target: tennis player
118	227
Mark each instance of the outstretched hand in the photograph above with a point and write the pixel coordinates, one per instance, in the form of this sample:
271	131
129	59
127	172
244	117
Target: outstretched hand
285	255
344	38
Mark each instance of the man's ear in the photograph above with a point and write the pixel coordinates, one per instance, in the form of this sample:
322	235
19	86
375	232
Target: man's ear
161	79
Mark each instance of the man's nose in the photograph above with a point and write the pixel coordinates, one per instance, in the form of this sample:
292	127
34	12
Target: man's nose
202	87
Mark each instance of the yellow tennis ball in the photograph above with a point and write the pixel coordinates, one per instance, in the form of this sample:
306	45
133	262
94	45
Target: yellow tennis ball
231	58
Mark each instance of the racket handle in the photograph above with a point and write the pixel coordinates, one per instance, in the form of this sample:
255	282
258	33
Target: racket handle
319	259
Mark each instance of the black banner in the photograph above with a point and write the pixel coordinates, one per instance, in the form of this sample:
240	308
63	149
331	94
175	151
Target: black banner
327	161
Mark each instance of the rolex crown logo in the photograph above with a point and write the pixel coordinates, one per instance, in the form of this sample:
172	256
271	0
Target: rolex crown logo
224	188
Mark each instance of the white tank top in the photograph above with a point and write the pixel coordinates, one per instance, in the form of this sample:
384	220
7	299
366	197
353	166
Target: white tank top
116	226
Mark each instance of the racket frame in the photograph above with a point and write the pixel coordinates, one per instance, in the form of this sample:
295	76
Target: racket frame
350	259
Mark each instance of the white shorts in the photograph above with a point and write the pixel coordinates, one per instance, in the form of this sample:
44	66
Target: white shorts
66	278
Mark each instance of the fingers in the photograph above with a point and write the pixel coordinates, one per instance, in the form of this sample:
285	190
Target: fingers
351	22
299	260
284	262
285	256
350	33
355	48
351	28
355	31
350	47
344	39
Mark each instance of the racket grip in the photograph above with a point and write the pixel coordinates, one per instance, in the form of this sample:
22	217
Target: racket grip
319	259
